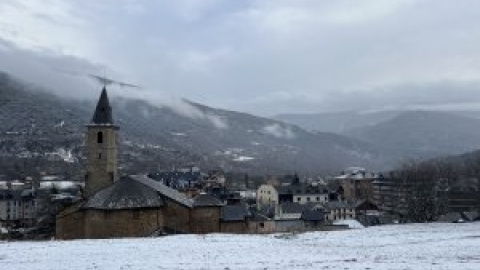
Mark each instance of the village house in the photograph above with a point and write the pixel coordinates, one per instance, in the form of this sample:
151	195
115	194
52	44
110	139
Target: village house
240	218
235	219
463	196
17	207
181	179
339	210
390	193
357	184
302	193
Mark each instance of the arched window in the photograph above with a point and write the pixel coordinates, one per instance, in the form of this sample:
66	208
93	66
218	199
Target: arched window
100	137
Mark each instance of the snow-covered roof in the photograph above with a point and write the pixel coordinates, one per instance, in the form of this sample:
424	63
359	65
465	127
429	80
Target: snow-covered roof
59	184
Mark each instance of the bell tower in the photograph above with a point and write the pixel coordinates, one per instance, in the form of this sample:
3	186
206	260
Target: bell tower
101	148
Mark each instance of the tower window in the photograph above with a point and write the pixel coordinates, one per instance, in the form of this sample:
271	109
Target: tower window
99	155
100	137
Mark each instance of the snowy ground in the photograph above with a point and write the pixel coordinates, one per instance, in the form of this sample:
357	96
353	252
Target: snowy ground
417	246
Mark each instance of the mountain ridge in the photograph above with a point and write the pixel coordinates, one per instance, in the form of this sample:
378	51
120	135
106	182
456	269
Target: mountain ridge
161	137
424	134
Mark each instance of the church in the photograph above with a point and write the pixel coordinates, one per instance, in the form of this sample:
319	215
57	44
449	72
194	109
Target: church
132	205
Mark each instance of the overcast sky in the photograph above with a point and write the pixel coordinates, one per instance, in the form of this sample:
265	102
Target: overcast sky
263	57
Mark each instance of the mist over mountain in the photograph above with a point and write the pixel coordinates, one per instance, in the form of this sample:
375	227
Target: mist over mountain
415	134
337	122
422	134
162	137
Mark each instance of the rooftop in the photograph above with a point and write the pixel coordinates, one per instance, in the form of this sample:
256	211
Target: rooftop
135	191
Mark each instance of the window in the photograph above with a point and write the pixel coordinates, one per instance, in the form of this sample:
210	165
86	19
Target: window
318	199
299	199
100	137
262	225
136	215
308	199
99	155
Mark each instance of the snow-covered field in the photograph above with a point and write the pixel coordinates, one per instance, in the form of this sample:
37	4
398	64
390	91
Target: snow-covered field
417	246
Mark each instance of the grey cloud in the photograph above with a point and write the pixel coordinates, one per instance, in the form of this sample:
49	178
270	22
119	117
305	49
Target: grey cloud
49	71
269	57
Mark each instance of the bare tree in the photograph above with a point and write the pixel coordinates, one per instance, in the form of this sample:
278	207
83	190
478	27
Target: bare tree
421	183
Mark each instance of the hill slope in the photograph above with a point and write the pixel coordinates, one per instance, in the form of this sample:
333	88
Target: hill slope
424	134
337	122
153	137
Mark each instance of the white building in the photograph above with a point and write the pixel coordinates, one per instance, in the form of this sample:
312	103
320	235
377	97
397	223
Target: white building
339	210
295	193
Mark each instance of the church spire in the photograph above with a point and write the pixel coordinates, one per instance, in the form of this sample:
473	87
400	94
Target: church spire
101	148
103	112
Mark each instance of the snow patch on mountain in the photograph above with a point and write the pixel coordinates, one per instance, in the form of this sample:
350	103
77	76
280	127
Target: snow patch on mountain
279	131
243	158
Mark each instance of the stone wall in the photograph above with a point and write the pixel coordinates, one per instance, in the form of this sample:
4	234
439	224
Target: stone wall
70	225
234	227
177	217
101	162
90	223
289	225
267	226
205	220
122	223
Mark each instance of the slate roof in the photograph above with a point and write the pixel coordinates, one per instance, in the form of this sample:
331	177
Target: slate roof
302	188
234	213
313	214
16	195
8	195
308	212
267	211
366	205
205	200
126	193
259	215
292	208
135	191
103	111
339	205
175	176
168	192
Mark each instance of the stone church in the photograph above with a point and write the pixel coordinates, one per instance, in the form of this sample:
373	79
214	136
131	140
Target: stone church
128	206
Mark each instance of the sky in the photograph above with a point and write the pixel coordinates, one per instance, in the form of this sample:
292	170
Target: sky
264	57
